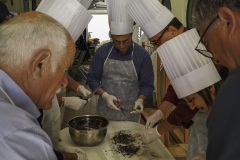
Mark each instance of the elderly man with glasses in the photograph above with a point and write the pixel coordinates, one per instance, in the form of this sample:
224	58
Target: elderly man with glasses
123	68
219	24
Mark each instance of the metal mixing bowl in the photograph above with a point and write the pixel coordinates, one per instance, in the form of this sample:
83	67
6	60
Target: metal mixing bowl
88	130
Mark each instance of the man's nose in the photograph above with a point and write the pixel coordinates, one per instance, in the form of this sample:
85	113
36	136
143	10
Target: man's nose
121	45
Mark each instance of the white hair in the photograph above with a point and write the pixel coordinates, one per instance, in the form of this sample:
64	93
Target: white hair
22	37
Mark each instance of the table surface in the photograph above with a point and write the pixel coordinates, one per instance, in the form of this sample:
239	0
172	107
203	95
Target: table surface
103	150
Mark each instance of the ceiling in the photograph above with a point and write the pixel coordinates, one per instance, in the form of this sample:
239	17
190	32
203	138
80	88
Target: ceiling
98	5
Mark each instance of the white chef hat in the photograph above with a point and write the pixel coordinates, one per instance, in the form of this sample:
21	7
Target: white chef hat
150	15
120	21
85	3
188	70
70	13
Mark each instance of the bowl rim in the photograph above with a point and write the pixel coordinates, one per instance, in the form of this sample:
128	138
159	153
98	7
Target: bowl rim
88	116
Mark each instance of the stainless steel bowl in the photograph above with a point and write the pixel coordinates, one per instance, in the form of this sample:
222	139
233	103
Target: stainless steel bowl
88	130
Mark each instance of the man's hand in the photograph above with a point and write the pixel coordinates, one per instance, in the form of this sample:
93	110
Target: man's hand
82	91
200	156
81	155
149	135
109	99
154	118
74	103
138	107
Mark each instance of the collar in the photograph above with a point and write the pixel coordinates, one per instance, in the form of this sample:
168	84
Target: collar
18	96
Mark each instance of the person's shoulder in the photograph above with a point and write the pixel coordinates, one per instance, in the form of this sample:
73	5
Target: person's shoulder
103	49
15	119
106	46
141	51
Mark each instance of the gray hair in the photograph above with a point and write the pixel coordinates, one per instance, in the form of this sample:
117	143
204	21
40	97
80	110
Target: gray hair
22	37
206	10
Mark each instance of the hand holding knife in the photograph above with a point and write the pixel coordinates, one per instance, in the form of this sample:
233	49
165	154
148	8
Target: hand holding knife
118	105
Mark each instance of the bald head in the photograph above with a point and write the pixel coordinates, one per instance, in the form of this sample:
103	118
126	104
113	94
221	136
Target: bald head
36	51
23	36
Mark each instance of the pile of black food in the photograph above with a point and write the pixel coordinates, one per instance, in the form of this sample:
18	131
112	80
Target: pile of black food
88	124
124	143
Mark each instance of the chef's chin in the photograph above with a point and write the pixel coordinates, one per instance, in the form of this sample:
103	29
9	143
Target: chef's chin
46	106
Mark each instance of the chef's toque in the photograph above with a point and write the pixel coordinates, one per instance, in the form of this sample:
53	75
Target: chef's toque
70	13
120	21
188	70
85	3
150	15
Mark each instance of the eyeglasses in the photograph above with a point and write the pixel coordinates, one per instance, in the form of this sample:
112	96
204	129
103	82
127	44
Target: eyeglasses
122	42
205	52
155	43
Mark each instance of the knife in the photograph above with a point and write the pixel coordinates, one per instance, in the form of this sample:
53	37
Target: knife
90	95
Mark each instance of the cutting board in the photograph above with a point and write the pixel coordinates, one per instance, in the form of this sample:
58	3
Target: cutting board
151	151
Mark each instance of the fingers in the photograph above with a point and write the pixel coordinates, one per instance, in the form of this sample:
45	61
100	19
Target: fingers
81	156
137	110
133	112
117	102
74	103
86	93
78	150
113	106
82	91
148	125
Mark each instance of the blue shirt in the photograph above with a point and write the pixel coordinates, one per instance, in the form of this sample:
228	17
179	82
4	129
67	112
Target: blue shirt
21	137
141	60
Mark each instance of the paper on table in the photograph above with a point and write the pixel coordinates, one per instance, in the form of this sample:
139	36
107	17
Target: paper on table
97	154
146	152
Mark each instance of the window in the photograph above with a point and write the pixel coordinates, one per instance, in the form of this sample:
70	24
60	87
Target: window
99	27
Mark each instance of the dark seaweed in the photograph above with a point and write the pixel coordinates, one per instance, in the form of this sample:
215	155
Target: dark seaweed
87	124
123	142
123	138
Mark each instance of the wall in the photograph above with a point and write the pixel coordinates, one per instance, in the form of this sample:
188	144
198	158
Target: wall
18	5
179	9
99	27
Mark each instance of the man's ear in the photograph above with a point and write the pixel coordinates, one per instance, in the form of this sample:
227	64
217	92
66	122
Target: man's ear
228	18
173	30
40	63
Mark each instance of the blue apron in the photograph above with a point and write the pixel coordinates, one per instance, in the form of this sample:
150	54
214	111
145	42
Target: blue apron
119	79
